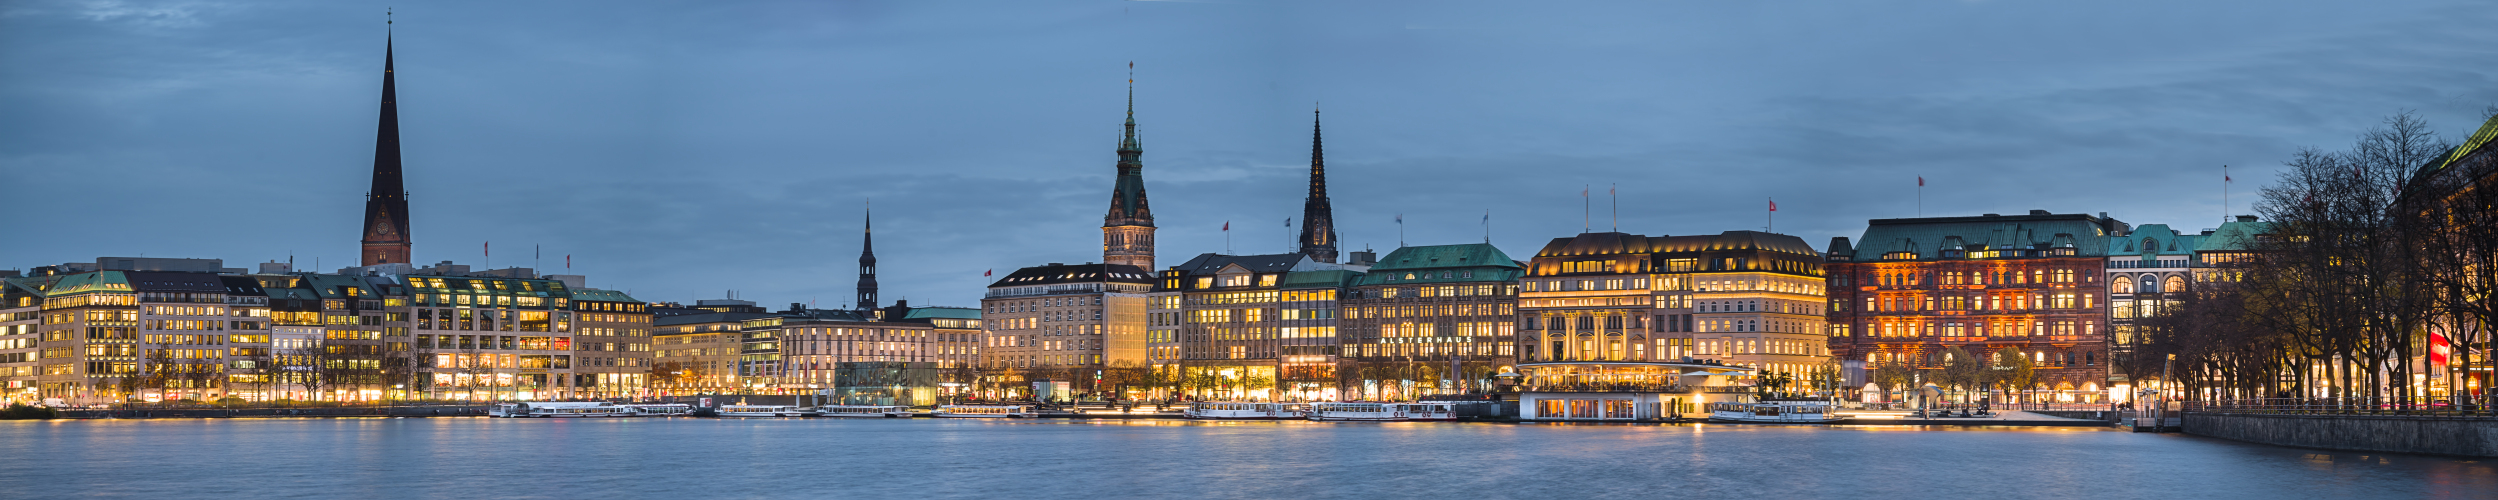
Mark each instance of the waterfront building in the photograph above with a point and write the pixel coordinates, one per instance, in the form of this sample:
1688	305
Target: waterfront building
1915	288
1063	328
1626	390
1231	317
1740	298
1128	228
504	338
612	348
386	205
802	350
955	331
248	373
2148	271
1427	320
699	353
21	322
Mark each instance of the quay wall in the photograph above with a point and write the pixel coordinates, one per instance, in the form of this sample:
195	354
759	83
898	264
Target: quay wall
385	411
2454	436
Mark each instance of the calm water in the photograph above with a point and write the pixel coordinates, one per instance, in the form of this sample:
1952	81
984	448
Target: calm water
930	458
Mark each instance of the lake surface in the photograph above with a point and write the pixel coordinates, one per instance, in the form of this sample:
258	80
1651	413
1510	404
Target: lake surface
957	458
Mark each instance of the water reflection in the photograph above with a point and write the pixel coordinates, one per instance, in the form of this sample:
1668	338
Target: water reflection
1051	458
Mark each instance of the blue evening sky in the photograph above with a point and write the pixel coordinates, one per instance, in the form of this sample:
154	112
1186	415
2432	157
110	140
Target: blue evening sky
682	149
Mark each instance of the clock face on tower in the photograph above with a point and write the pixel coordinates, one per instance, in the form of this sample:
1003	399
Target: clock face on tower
385	227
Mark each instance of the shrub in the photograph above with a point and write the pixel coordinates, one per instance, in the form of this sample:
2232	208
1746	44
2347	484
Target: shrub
18	411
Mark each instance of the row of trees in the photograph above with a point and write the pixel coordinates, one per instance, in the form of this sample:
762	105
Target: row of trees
2369	253
1968	376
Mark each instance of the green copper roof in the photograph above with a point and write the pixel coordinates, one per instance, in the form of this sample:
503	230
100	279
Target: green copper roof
99	281
1928	237
1443	264
2162	240
1333	278
942	312
1444	256
601	295
2235	236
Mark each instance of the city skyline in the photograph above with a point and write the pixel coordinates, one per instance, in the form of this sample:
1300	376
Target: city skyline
717	204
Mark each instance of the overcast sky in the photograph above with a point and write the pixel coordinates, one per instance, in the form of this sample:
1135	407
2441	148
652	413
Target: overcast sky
679	150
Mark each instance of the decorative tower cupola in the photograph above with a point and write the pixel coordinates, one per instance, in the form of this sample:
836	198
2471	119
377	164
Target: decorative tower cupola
1128	230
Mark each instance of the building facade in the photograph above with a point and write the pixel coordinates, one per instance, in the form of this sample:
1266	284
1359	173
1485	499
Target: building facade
1739	298
699	353
1912	290
1430	320
1063	328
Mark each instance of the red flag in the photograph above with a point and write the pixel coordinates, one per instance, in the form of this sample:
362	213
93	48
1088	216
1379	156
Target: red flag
1921	181
985	274
568	261
1773	205
2438	348
1227	225
490	249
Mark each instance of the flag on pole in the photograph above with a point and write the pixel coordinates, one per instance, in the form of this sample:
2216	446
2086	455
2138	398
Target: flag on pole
2438	348
1773	204
985	274
1287	222
568	261
489	249
1400	218
1921	181
1227	225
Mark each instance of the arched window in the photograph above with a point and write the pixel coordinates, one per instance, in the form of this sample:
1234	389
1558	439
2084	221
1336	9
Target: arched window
2176	284
2121	287
2149	285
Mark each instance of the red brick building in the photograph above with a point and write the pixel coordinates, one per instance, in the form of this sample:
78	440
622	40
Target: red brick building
1911	289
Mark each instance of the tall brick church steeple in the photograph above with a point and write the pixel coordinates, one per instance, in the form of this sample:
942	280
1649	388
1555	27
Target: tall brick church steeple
1318	219
1128	230
386	205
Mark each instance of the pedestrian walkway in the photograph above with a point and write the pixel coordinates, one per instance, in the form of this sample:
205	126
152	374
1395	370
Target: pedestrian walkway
2002	418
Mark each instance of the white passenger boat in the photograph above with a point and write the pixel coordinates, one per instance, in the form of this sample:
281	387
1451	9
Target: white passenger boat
1381	412
1772	412
863	411
562	409
663	410
975	411
764	411
1226	410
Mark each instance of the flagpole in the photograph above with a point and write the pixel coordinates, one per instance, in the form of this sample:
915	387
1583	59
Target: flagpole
1614	193
2224	194
1587	211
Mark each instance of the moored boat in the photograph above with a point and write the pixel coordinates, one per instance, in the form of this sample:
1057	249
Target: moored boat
764	411
1772	412
1381	412
562	409
1227	410
663	410
862	411
979	411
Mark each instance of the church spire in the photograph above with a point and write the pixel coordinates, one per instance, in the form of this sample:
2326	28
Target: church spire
1318	219
867	262
1128	229
386	204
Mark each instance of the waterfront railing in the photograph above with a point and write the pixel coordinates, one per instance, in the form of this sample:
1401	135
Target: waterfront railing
2343	406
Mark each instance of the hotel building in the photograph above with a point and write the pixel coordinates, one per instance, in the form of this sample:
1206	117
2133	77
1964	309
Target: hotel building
1060	327
699	353
1430	320
1911	289
1742	298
